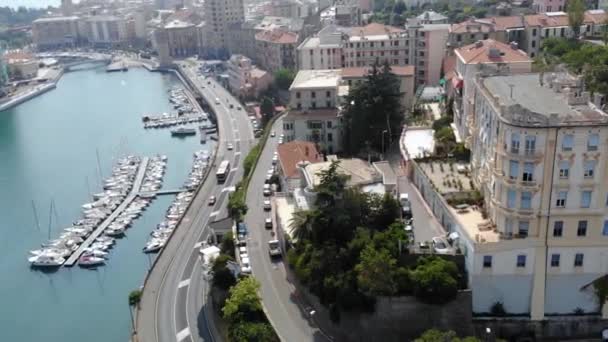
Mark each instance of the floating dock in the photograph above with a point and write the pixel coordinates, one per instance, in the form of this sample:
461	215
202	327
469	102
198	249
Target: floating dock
139	178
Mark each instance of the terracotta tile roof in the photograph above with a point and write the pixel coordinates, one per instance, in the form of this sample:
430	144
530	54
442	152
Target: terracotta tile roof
374	29
479	52
407	70
291	153
471	26
595	17
545	20
278	36
504	23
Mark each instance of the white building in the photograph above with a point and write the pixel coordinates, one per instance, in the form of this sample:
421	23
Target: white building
244	78
539	157
55	32
105	30
323	50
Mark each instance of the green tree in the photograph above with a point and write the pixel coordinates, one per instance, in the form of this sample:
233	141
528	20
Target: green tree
283	78
434	335
237	207
376	272
244	302
576	15
252	332
434	280
371	108
267	110
301	224
227	245
222	276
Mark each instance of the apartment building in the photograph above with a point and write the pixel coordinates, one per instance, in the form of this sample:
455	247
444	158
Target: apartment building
292	8
183	38
55	32
105	30
544	6
539	158
323	50
218	16
244	78
432	17
484	56
276	49
347	13
313	114
422	46
527	31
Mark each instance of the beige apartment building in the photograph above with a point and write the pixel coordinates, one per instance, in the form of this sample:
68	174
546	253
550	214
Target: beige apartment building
105	30
276	49
55	32
183	38
244	78
219	15
539	156
404	74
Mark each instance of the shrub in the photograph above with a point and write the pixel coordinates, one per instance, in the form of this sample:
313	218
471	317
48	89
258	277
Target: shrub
227	246
434	280
498	309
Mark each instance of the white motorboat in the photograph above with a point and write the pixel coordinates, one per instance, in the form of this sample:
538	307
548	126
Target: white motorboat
105	240
61	252
46	260
95	253
118	231
154	245
87	261
100	246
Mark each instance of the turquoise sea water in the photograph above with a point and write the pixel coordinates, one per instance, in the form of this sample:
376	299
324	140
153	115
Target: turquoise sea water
48	149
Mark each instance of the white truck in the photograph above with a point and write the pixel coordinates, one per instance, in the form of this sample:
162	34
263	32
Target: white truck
274	248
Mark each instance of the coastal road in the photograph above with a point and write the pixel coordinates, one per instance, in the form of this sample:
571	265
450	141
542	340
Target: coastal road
174	306
287	317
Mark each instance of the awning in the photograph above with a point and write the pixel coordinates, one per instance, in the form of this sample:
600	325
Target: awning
457	82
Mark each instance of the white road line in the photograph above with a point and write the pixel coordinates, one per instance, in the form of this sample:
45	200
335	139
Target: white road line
214	213
183	283
183	334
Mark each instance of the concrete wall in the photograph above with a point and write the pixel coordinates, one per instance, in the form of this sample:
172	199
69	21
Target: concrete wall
554	329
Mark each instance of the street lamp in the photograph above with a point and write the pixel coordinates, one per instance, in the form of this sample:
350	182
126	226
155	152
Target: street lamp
385	131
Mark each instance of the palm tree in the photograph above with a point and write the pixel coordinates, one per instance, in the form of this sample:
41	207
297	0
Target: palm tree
301	224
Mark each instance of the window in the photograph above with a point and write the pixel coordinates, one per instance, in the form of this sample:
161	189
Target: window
524	227
297	94
459	38
530	144
558	228
526	200
329	124
313	104
578	259
562	197
528	175
487	261
605	228
533	32
299	105
330	137
568	142
564	169
521	260
328	104
513	169
514	142
313	94
585	199
315	125
554	260
593	142
588	168
582	228
534	43
511	199
328	93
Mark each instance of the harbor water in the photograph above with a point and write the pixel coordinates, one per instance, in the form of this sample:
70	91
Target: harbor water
53	148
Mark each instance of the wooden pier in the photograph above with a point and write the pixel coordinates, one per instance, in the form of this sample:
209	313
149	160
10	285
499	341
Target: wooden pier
139	178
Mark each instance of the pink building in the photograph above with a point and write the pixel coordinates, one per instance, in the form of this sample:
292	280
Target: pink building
544	6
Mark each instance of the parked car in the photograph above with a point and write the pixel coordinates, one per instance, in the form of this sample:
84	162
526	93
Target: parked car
441	245
267	192
268	223
272	134
212	200
267	206
275	160
229	146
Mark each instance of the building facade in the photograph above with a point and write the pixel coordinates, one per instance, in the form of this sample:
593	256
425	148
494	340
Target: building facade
105	31
219	15
544	6
276	49
244	78
539	162
323	50
405	75
182	38
55	32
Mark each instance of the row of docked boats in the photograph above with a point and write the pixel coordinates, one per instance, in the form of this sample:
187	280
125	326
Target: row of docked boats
162	232
185	112
115	189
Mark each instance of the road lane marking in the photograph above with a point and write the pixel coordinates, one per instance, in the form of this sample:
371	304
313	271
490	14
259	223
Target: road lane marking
214	213
183	283
183	334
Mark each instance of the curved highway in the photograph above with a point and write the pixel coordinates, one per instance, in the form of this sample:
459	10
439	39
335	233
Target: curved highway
173	306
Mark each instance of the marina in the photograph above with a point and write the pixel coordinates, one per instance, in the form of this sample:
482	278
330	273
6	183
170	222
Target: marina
162	232
46	159
187	109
